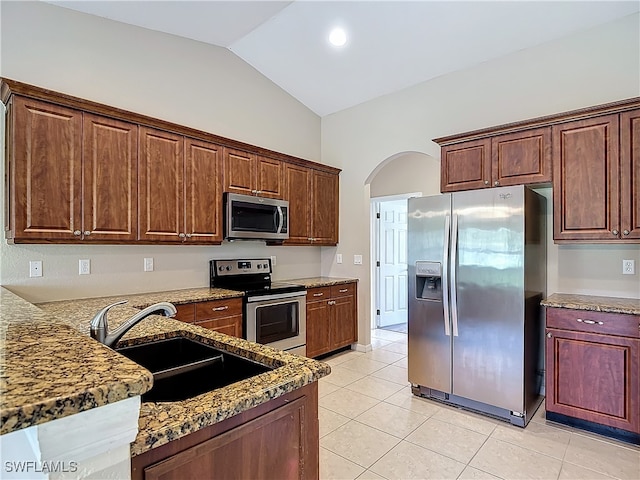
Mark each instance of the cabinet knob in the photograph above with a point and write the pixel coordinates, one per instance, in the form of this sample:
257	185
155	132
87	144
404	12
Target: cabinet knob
549	335
614	232
77	233
181	235
486	182
626	232
87	233
496	183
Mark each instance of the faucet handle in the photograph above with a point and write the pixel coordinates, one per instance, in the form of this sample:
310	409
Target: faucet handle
99	324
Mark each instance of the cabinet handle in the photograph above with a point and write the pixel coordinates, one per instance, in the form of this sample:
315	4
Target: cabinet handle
255	192
486	182
344	290
87	233
318	294
589	322
626	232
331	302
615	232
189	235
549	335
77	233
219	309
181	235
496	183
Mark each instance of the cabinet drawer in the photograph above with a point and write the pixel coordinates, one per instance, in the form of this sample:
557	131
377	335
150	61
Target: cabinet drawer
346	290
186	312
318	294
229	325
218	309
594	322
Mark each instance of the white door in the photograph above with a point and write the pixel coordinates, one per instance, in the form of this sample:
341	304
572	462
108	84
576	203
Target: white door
392	255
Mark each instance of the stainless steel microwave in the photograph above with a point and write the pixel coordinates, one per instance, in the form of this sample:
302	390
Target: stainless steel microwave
255	218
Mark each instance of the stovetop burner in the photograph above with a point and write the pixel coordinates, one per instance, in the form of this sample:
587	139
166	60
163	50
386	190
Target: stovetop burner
252	276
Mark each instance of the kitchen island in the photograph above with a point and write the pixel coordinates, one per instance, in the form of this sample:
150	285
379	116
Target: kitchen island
85	375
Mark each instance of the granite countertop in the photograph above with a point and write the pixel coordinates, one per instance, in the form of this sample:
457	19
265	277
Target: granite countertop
313	282
41	381
629	306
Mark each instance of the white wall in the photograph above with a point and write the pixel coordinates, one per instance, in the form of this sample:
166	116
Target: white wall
593	67
166	77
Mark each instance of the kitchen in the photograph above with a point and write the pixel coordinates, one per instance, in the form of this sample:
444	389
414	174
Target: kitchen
92	58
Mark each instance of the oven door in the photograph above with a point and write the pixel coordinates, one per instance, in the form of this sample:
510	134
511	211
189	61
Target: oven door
278	320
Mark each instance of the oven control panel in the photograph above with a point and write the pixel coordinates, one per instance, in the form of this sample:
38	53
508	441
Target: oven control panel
241	267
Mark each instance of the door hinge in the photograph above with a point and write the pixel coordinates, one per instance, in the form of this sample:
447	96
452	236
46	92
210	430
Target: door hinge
378	312
377	263
378	216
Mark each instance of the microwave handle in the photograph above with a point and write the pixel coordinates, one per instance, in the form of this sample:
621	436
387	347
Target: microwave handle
280	219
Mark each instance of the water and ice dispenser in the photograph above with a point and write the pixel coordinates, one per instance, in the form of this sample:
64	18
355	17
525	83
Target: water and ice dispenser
429	280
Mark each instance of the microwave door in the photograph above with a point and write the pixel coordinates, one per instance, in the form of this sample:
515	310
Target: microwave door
280	220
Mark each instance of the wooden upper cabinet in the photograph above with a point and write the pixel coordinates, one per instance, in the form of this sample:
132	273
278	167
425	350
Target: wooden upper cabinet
521	157
585	179
466	165
161	186
324	208
44	168
250	174
297	187
203	209
630	175
110	169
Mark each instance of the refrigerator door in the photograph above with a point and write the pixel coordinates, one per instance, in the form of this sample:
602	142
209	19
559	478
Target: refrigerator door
429	328
488	350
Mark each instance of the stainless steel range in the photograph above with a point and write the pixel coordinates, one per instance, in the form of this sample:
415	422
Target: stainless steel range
274	312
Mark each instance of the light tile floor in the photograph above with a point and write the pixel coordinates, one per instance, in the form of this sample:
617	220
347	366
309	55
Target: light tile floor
372	427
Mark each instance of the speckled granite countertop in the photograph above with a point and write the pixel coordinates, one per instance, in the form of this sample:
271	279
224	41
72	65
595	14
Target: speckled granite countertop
597	304
313	282
94	375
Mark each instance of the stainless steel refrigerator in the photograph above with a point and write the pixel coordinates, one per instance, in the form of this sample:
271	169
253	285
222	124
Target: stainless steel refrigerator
477	273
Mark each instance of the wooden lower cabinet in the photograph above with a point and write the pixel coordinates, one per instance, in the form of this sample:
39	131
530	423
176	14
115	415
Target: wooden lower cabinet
224	316
276	440
593	367
332	318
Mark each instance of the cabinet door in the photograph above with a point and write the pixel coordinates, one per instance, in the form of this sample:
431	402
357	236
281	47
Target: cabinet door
44	167
586	202
521	157
318	328
270	182
594	377
465	166
110	173
343	322
324	208
630	175
273	446
297	181
203	175
239	172
161	186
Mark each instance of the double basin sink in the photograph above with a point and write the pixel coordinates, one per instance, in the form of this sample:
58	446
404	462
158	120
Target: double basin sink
183	368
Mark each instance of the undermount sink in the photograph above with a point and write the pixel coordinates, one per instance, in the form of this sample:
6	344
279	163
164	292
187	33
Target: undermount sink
183	368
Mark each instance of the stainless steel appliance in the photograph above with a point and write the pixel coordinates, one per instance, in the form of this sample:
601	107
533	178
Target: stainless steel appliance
477	273
274	312
255	218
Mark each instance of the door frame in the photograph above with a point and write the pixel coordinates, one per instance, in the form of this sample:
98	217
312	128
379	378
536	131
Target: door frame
376	286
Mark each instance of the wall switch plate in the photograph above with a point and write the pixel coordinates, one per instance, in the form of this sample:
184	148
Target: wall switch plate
357	259
148	264
273	260
628	267
35	268
338	258
84	267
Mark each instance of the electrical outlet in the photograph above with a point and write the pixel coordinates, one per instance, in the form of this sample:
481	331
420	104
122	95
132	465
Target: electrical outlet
35	268
148	264
84	267
273	260
628	267
338	258
357	259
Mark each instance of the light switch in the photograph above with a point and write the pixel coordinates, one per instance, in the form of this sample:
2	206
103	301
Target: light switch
338	258
148	264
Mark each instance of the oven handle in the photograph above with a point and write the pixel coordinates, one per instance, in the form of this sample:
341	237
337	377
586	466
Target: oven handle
277	296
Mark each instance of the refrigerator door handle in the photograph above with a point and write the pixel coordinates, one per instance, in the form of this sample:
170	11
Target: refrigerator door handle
445	276
454	267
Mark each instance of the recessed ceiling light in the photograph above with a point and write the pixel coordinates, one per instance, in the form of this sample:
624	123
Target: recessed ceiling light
338	37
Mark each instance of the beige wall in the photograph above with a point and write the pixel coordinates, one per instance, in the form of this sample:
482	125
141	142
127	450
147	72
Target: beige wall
589	68
408	172
163	76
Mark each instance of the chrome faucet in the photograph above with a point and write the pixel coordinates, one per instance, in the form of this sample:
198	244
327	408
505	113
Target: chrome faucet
100	326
